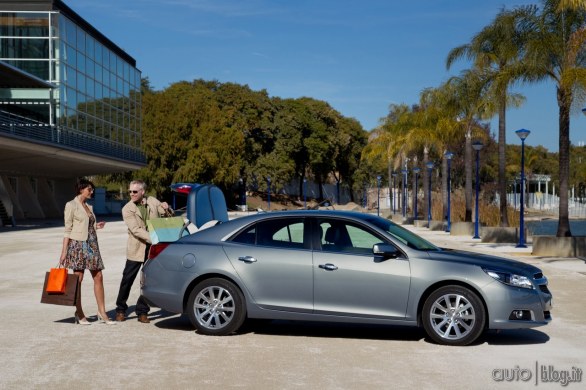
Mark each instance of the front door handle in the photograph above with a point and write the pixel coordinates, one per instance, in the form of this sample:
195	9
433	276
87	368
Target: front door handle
328	267
247	259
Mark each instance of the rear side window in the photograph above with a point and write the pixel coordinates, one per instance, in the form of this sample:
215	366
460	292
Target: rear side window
279	233
246	237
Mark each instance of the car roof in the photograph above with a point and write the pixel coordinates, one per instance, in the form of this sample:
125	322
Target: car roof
222	230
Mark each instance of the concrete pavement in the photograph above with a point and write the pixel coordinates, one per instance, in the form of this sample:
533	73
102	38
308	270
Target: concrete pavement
40	347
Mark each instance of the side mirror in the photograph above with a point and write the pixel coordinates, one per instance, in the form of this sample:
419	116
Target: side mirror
385	251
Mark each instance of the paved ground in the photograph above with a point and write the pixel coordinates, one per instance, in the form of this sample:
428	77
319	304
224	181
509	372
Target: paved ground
40	347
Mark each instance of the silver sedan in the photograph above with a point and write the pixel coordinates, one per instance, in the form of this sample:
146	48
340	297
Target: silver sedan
340	267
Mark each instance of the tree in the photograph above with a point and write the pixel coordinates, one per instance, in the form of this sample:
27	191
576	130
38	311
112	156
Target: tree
349	143
468	100
496	52
385	145
556	50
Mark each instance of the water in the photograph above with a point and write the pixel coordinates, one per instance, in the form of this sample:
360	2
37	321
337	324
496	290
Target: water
550	227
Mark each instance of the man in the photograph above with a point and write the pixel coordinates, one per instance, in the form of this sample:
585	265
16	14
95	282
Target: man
136	213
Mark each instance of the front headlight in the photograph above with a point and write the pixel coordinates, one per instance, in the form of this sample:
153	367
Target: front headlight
510	278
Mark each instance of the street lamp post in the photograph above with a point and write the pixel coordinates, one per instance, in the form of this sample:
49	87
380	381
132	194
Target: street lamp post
394	174
477	146
523	134
404	171
242	189
449	156
269	191
429	170
416	171
378	177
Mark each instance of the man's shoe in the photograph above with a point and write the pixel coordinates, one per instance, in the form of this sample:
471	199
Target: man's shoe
143	318
120	317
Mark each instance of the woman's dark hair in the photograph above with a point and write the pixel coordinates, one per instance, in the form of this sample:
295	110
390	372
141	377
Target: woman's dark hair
83	184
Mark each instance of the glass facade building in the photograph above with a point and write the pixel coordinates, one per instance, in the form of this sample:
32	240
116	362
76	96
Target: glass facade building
95	104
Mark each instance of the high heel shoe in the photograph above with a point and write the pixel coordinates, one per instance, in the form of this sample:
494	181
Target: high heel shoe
107	321
81	321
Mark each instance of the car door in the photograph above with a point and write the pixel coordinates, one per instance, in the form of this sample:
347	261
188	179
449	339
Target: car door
349	279
274	260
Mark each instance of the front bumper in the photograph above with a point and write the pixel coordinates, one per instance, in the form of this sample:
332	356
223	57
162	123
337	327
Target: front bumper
505	303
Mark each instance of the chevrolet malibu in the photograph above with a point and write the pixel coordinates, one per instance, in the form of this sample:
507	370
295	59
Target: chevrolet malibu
340	267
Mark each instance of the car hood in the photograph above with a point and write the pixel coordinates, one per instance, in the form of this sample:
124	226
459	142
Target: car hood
485	261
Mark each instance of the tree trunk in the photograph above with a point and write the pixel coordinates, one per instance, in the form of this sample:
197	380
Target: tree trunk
502	177
564	103
301	187
468	170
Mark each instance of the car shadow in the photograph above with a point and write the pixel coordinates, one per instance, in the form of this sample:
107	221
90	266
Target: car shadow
173	321
515	337
332	330
167	320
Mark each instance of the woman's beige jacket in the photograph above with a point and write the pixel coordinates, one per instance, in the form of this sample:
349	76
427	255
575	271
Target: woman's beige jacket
77	220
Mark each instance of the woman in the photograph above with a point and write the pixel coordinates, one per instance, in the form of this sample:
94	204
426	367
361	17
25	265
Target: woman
80	248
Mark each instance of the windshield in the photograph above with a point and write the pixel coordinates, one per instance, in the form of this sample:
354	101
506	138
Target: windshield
408	238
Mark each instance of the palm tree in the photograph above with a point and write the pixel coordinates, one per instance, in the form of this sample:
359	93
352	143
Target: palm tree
495	52
556	50
469	104
436	130
571	5
384	143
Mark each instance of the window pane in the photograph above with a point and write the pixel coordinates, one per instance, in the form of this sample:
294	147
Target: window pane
37	68
24	48
24	24
90	43
282	233
80	40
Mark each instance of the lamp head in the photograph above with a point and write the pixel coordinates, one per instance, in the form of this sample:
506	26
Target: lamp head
449	155
416	170
523	133
477	145
429	165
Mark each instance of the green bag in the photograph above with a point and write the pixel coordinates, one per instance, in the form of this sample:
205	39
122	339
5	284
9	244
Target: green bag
165	229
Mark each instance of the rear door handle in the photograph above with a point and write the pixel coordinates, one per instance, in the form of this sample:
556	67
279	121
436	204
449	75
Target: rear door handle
328	267
247	259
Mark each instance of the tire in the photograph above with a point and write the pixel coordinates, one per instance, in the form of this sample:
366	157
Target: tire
216	307
453	315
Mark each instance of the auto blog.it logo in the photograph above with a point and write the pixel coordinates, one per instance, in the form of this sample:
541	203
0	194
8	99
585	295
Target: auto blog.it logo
545	373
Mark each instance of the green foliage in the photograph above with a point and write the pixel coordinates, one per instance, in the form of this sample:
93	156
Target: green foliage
212	132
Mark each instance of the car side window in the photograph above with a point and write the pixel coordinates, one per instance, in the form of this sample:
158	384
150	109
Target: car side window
248	236
344	236
279	233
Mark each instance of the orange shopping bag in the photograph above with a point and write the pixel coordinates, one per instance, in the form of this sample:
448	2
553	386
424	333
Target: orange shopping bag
57	281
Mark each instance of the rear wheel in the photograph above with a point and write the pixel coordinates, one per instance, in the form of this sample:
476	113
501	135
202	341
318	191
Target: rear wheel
453	315
216	307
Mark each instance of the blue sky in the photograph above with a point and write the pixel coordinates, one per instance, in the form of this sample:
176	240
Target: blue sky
359	56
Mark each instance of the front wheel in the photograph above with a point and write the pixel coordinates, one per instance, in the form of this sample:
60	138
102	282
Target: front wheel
453	315
216	307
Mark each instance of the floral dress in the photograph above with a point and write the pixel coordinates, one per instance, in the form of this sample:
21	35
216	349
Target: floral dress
82	255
